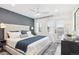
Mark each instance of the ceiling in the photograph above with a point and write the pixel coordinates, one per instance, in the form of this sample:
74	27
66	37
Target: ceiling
40	10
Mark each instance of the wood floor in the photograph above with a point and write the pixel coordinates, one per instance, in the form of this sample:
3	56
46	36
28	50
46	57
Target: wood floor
49	51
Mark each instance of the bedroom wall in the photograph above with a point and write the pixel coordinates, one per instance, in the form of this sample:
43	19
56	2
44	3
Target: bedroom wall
66	18
68	21
10	17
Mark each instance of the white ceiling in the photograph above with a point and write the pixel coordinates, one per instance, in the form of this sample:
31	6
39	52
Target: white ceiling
31	10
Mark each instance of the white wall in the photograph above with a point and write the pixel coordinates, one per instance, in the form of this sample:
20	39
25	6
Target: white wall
67	20
68	23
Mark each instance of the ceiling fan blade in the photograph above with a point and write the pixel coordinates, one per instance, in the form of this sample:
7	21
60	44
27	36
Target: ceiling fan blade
32	10
36	11
44	12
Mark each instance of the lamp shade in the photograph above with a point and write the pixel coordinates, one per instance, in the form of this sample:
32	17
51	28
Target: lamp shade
2	25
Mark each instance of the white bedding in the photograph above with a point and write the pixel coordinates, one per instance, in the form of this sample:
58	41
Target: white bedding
12	41
33	48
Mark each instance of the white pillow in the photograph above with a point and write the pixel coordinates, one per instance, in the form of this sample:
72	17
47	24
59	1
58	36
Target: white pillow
23	35
29	34
14	34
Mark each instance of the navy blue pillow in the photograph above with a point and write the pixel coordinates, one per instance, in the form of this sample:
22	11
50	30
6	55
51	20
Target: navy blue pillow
23	32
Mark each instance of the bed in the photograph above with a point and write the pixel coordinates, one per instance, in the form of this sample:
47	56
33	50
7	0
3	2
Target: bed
35	48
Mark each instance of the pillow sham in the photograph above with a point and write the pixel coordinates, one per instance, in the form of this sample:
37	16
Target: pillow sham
14	34
23	35
29	34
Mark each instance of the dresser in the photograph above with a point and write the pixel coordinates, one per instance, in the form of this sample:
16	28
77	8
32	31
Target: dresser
69	48
1	34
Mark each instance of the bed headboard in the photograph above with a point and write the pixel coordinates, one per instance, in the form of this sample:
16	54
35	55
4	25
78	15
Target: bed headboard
13	27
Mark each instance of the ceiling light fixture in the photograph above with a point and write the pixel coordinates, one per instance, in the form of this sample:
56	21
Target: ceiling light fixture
2	25
38	14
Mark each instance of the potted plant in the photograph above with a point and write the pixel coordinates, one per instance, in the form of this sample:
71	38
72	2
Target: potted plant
70	36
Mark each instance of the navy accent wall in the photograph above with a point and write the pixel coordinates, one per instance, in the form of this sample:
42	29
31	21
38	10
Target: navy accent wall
10	17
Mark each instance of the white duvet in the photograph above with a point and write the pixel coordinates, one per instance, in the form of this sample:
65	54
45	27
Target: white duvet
13	41
33	48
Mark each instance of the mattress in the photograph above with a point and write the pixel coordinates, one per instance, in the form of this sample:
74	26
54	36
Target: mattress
33	48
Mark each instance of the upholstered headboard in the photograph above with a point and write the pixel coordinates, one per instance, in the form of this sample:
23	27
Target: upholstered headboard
13	27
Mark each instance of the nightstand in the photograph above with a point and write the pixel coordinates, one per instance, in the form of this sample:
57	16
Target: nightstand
2	40
2	45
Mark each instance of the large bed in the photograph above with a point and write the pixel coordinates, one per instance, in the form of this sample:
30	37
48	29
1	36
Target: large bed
34	48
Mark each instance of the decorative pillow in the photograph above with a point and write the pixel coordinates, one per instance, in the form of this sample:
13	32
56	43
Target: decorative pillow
23	32
14	34
29	34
